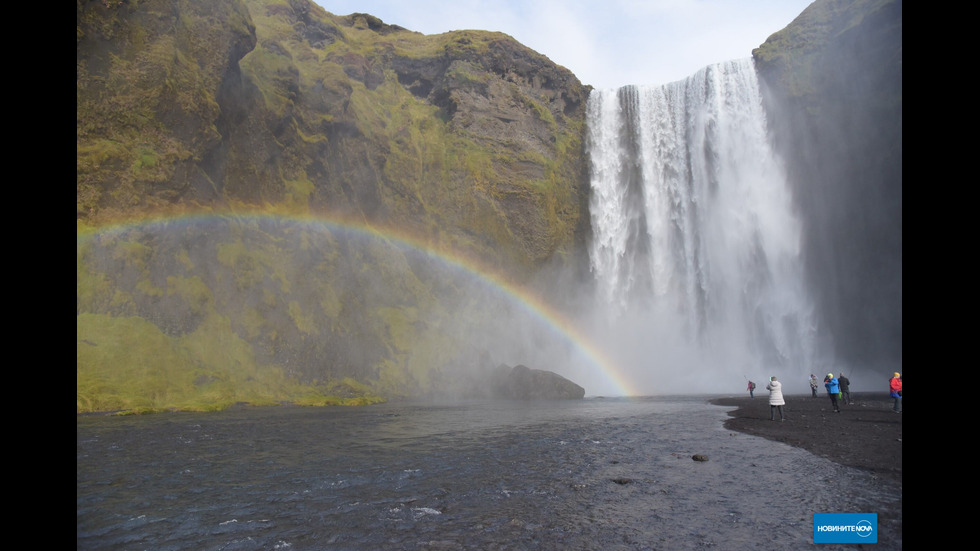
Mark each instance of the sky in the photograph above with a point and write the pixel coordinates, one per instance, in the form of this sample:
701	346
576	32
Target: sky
605	43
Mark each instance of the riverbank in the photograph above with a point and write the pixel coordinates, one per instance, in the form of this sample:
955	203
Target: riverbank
866	433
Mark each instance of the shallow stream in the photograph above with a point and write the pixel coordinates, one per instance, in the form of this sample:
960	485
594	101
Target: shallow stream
588	474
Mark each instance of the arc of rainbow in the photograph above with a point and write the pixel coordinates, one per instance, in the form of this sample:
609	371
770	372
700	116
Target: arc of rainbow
531	303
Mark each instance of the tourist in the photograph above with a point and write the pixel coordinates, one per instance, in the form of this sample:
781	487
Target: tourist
895	389
813	385
775	399
833	387
751	389
845	388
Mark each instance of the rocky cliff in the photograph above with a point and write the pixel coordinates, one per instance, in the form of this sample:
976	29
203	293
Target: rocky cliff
272	200
833	79
467	138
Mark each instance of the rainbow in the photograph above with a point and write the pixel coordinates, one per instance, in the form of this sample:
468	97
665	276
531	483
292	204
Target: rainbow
533	305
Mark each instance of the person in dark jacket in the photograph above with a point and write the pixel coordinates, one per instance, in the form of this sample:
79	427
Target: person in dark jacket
845	388
751	389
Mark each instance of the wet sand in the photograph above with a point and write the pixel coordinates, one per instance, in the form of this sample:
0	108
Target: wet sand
866	434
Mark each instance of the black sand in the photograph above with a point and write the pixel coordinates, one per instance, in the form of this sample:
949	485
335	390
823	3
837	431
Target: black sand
866	434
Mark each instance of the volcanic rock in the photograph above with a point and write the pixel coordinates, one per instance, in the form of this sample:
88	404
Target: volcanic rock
523	383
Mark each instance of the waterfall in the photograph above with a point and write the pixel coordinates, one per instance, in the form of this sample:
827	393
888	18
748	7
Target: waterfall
695	247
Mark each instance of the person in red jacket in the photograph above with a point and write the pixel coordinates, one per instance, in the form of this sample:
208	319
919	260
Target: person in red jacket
895	390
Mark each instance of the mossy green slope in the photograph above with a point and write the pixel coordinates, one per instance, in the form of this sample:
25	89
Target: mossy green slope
205	313
467	142
468	138
148	74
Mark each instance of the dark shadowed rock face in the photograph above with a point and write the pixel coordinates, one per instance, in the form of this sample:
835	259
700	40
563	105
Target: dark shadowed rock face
524	383
833	84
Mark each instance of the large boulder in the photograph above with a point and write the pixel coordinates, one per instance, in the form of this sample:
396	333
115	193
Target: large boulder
523	383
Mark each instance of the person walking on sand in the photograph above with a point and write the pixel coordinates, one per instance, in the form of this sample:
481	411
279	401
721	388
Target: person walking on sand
895	390
845	388
751	389
775	399
833	387
813	385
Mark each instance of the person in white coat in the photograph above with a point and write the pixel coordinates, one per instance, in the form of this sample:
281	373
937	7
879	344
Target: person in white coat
775	399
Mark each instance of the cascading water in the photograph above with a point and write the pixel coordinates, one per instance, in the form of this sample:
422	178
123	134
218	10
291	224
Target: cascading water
695	247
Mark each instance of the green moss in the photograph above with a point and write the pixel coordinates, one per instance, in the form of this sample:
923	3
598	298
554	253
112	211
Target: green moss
251	321
127	363
303	322
345	392
465	73
245	263
122	303
298	192
194	292
400	325
146	160
96	153
541	111
270	72
147	288
92	289
184	260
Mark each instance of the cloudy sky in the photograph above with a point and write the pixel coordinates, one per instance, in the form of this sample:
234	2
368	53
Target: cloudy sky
606	43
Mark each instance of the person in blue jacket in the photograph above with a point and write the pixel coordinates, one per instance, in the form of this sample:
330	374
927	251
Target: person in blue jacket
833	388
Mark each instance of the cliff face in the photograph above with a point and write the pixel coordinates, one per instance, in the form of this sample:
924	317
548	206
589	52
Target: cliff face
267	196
833	79
467	138
149	77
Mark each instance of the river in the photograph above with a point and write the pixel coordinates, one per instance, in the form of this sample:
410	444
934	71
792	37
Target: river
598	473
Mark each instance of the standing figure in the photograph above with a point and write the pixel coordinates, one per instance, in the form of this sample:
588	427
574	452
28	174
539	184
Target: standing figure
833	387
895	390
775	399
813	385
751	389
845	388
